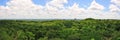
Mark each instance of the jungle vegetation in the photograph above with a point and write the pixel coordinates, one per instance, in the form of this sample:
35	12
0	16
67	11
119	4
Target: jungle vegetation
88	29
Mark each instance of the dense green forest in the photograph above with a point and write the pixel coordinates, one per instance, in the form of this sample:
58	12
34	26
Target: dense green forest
88	29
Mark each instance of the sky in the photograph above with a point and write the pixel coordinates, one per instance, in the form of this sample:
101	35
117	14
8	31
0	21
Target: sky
59	9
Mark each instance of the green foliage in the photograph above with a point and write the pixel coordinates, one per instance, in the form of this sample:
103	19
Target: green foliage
88	29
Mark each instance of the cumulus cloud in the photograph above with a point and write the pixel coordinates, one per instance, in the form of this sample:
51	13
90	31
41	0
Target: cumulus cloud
26	9
20	9
95	6
114	8
116	2
58	4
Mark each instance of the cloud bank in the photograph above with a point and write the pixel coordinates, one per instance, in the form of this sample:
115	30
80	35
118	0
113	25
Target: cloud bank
26	9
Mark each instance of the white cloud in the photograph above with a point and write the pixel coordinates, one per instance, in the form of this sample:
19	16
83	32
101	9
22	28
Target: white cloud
56	4
114	8
26	9
20	9
116	2
95	6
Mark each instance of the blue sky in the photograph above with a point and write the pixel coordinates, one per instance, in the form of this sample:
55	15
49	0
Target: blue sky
82	3
3	2
40	2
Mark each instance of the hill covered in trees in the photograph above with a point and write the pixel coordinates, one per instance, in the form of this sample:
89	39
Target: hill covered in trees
89	29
